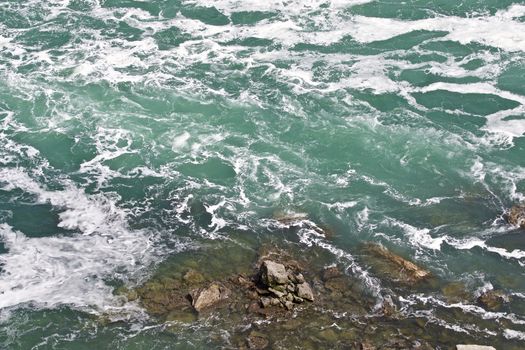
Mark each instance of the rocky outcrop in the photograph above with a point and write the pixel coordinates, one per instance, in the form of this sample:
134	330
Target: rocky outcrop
282	286
394	266
492	300
205	298
516	215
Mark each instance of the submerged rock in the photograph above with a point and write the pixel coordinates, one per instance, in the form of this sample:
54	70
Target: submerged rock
206	297
257	340
396	267
516	215
492	300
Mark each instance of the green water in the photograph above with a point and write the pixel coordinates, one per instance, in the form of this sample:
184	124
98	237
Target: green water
135	131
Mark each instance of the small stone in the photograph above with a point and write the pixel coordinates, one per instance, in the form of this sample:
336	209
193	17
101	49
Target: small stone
288	304
299	278
275	301
273	273
298	299
266	302
304	291
290	288
289	297
277	293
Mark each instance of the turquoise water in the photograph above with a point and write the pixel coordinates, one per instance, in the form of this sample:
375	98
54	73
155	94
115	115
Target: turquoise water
133	131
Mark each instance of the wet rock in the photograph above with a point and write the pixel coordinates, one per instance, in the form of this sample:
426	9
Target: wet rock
206	297
273	274
257	340
456	292
330	272
277	293
516	215
492	300
182	316
396	267
474	347
304	291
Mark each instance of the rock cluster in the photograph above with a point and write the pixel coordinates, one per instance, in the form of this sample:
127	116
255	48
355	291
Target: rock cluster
516	215
279	286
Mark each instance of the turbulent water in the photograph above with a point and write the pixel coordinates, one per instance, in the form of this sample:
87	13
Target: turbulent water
133	131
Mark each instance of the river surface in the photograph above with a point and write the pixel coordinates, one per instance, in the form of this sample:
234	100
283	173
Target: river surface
133	131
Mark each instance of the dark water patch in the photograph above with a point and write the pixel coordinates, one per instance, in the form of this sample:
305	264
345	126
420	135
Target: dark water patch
421	78
170	38
36	220
407	40
122	30
474	103
213	169
386	102
511	79
474	64
207	15
251	17
252	42
12	19
41	39
458	50
420	9
510	241
426	57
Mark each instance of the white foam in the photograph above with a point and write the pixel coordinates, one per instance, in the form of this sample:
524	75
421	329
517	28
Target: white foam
70	269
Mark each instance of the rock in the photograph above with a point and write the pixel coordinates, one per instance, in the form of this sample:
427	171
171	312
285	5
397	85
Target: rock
277	293
396	267
257	340
474	347
330	272
304	291
516	215
456	292
273	274
492	300
206	297
299	278
288	304
266	302
193	277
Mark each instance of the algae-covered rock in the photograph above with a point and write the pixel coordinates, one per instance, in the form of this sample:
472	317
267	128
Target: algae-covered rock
394	266
492	300
193	277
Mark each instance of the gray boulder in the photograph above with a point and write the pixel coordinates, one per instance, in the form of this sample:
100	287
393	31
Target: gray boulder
304	291
273	273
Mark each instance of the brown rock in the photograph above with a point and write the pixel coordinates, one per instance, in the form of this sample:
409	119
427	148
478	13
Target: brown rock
492	300
257	340
206	297
516	215
330	272
396	267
